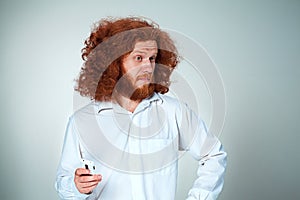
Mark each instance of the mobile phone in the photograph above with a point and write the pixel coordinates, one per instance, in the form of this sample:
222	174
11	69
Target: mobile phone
88	164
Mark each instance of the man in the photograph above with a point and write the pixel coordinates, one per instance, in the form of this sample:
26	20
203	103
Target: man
131	131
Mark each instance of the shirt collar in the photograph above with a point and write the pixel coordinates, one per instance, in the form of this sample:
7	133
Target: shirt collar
106	106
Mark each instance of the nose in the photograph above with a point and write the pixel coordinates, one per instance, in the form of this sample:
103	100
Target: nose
148	65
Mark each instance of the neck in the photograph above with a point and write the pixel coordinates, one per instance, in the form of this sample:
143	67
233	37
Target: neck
127	103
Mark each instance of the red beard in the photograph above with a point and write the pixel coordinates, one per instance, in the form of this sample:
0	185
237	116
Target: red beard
143	92
126	88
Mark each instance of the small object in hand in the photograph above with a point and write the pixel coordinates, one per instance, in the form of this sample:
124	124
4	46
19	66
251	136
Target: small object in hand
88	164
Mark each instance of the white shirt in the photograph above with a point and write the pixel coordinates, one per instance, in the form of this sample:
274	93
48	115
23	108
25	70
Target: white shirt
137	153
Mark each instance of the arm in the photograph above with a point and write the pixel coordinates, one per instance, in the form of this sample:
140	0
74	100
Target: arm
210	173
208	151
70	182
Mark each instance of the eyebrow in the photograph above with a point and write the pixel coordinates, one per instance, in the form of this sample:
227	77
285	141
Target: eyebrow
143	52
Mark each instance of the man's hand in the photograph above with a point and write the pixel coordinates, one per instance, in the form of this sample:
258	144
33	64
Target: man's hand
86	182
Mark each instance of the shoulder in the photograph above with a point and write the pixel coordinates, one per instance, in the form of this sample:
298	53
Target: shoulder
169	100
88	109
179	107
171	103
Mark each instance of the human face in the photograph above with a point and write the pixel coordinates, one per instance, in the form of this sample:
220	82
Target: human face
140	63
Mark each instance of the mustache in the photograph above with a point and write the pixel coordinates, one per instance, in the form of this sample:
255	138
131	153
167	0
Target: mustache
144	76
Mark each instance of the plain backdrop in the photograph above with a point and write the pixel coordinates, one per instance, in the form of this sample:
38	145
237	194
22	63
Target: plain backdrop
255	45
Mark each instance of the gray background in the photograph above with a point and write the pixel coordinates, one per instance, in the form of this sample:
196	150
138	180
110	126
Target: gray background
255	45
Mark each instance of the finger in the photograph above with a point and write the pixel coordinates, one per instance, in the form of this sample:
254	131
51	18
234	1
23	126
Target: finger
81	171
91	178
89	185
86	190
90	189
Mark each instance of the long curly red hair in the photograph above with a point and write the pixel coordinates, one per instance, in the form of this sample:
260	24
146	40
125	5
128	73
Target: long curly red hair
109	42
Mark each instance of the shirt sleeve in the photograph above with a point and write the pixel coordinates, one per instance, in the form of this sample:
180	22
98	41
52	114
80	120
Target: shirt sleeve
208	151
69	162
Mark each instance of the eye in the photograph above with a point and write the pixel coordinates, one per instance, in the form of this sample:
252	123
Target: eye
152	58
138	58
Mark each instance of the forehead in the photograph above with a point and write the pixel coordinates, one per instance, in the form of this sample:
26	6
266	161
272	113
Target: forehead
145	46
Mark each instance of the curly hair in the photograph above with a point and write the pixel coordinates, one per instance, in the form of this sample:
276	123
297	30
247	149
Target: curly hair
106	47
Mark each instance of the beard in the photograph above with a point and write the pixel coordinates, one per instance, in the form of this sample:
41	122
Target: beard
126	88
143	92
